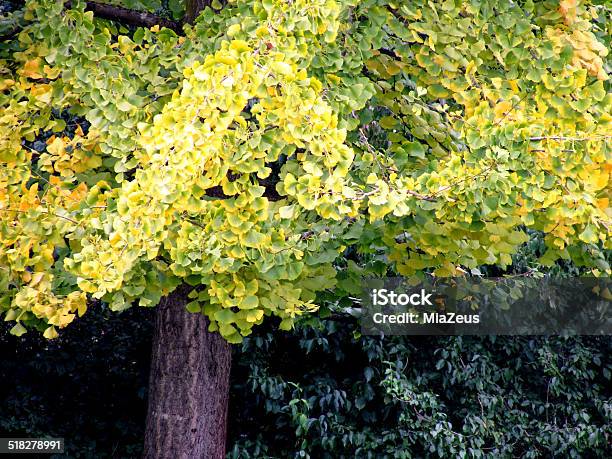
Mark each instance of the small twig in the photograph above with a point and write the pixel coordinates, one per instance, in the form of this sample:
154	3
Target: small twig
44	212
573	139
421	196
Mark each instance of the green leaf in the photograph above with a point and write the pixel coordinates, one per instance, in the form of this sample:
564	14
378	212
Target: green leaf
387	122
589	235
415	149
286	211
11	314
294	270
194	306
18	330
177	7
249	302
225	316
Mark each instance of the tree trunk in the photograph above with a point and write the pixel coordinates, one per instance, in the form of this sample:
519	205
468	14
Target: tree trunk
193	9
190	369
188	386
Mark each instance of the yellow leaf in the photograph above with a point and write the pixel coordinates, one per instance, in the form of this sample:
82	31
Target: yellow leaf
502	109
6	83
254	315
281	68
233	30
51	72
600	181
42	92
603	203
55	146
567	8
50	333
36	278
240	45
31	69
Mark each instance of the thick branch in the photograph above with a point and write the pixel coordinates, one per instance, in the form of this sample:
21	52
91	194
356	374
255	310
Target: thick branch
127	16
193	8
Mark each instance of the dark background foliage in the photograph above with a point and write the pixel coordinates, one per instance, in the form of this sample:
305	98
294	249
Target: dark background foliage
322	392
88	386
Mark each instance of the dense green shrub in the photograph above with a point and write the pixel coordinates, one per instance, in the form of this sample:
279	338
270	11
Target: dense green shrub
322	394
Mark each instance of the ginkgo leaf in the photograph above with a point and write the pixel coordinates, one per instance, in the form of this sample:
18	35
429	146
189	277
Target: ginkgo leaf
258	158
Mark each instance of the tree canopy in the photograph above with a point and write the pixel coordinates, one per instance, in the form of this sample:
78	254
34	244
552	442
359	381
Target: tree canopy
264	152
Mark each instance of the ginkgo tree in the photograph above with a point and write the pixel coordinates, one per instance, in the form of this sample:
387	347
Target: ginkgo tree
223	160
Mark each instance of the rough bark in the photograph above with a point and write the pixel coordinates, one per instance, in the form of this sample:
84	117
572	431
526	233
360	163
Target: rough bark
193	8
127	16
188	387
133	17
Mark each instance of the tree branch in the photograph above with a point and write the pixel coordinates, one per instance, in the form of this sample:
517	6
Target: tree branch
193	9
113	13
127	16
270	193
571	139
